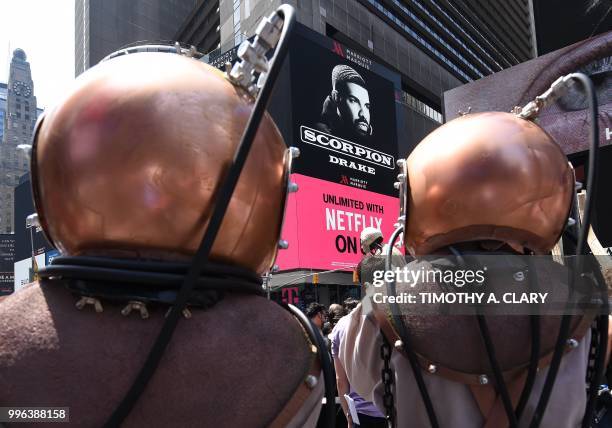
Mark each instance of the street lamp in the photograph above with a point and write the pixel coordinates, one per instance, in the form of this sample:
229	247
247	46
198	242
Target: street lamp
31	222
267	277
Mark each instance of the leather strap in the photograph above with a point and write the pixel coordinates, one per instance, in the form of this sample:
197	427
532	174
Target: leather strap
491	405
300	395
485	396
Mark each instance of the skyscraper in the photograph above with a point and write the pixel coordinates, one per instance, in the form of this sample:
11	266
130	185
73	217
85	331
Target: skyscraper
202	27
3	94
19	120
104	26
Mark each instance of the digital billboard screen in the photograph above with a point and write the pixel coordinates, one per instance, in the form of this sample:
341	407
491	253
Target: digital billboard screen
339	108
343	120
343	116
567	119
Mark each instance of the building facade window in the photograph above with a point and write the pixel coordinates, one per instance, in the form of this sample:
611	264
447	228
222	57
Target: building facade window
430	31
237	35
421	41
420	107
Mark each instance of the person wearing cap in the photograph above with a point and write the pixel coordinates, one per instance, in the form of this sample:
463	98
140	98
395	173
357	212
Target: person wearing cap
346	110
371	242
482	184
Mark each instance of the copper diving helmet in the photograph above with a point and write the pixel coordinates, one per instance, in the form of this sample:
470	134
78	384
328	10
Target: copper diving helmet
487	176
130	161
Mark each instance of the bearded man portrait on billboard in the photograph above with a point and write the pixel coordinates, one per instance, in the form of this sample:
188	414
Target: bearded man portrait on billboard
346	110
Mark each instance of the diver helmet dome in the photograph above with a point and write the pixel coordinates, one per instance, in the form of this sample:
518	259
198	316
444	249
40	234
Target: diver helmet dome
487	176
130	162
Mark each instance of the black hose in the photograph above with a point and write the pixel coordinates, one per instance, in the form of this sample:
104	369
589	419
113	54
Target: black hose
405	336
500	383
115	279
148	266
153	280
598	369
532	371
580	249
220	207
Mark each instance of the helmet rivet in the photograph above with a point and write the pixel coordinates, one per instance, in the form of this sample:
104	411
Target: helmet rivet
432	368
572	343
295	152
398	344
311	381
483	379
519	276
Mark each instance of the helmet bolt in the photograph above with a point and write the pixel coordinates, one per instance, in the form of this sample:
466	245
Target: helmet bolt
311	381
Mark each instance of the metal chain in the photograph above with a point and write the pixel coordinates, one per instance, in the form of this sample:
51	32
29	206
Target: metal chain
387	378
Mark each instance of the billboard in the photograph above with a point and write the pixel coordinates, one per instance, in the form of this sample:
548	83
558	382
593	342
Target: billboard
323	221
339	108
7	259
567	119
559	24
25	273
343	120
343	116
27	241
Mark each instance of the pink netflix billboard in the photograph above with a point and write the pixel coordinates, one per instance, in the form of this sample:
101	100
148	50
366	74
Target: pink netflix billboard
323	222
